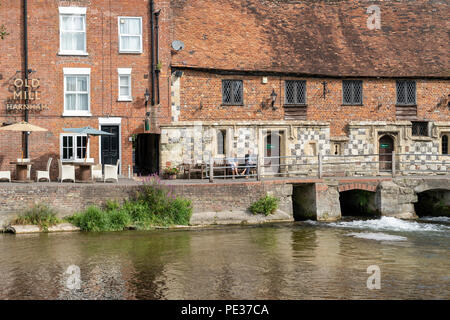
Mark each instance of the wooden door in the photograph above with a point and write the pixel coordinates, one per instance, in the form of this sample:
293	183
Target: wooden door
386	147
110	145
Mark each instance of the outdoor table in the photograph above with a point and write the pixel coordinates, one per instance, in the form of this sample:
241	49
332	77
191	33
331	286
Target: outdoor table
21	170
85	170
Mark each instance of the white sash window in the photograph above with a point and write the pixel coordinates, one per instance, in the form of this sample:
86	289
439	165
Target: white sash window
72	25
130	34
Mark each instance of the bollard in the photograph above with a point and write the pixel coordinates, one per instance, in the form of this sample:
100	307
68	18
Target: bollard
211	169
258	168
393	164
319	159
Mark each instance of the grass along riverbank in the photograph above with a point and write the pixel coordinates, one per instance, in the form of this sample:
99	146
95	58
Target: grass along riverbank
153	206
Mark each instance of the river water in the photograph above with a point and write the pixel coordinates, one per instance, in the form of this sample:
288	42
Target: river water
302	260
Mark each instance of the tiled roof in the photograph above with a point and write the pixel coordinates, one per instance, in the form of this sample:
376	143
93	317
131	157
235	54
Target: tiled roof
318	37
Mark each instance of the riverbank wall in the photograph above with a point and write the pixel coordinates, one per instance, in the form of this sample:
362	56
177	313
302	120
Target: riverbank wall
218	203
227	202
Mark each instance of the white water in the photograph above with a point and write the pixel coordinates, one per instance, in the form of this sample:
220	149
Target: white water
377	236
436	219
389	224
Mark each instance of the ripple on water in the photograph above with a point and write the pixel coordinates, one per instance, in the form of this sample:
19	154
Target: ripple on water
377	236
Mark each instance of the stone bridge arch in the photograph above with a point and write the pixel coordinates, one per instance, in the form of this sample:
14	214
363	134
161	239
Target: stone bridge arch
372	187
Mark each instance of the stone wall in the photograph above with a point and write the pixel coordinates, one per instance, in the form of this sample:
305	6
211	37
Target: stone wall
67	199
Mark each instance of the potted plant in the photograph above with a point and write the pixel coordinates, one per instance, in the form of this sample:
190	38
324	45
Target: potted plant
171	172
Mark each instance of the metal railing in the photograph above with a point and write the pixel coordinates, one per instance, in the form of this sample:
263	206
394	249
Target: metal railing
320	166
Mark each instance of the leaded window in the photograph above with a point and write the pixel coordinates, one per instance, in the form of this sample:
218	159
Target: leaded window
295	92
352	92
444	144
420	128
221	135
232	92
406	92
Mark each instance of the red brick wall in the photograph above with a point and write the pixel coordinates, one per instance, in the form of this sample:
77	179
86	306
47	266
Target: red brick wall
103	59
201	99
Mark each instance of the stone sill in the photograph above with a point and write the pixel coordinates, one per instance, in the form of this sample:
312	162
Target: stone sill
421	138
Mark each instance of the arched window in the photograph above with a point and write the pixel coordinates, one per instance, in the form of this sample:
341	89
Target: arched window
444	144
221	134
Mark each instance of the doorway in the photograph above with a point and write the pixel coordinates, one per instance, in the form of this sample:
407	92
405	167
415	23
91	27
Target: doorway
146	151
272	151
110	145
386	147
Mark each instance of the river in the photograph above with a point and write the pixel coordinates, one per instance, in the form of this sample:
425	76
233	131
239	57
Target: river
302	260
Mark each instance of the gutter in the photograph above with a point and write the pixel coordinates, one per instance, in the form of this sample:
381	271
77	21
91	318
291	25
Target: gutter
157	71
25	52
152	54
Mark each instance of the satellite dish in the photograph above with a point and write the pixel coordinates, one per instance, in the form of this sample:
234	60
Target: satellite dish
177	45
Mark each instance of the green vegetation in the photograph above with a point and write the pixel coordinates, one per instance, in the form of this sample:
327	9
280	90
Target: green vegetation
432	203
154	205
40	215
266	205
3	32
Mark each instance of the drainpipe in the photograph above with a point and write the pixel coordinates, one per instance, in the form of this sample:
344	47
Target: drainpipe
157	71
152	49
25	52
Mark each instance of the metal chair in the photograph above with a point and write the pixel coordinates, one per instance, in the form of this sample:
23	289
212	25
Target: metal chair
44	174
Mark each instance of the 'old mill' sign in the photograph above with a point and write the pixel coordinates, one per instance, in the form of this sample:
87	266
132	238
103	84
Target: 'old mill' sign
26	90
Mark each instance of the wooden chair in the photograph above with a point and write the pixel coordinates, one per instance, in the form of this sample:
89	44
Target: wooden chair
189	168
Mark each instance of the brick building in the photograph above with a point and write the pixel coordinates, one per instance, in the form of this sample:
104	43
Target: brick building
288	78
297	78
89	64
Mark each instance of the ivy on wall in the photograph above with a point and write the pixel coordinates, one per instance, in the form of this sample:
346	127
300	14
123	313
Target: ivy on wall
3	32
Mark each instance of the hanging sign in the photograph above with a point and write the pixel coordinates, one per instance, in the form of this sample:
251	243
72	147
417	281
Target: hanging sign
384	146
25	90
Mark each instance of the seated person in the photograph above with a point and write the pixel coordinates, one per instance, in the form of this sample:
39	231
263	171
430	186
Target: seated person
249	163
233	162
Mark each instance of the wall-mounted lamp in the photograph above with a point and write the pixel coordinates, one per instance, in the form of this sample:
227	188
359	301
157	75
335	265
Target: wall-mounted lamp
273	97
146	95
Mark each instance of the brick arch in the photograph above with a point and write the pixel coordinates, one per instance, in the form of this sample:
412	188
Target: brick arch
358	186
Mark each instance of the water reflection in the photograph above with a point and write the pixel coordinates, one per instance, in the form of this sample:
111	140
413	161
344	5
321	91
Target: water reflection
288	261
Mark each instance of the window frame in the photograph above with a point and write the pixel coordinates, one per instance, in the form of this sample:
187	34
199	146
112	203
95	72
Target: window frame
77	72
447	136
141	49
74	147
419	135
73	11
405	89
122	72
352	103
233	103
286	102
223	132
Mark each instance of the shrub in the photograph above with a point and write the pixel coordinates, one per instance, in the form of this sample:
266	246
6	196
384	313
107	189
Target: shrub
266	205
153	205
39	214
92	219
